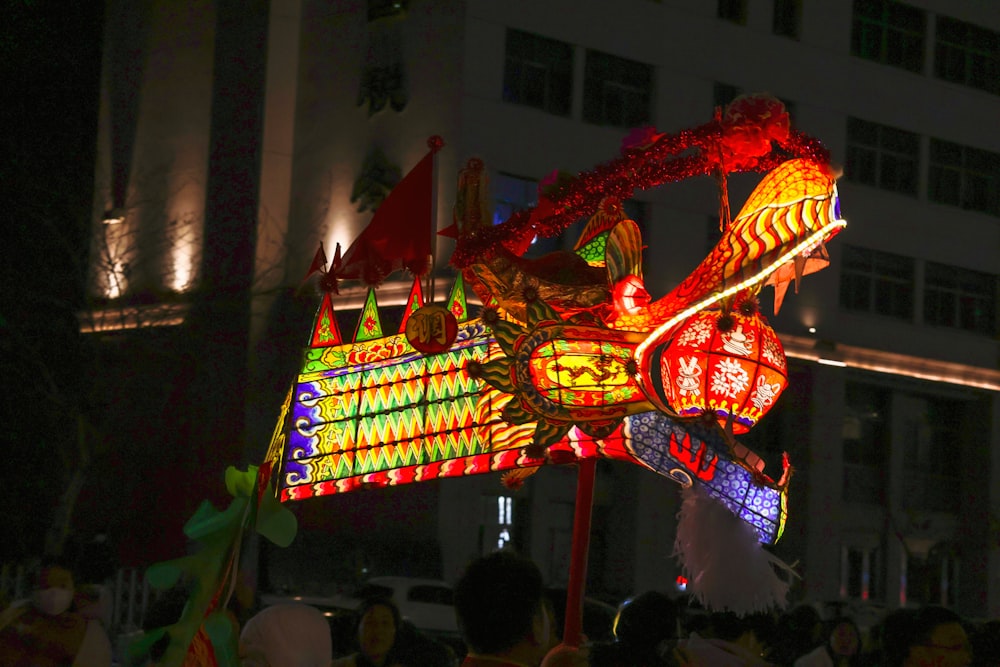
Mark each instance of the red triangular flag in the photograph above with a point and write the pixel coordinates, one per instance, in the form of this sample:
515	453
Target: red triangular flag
413	303
318	266
399	234
325	331
318	263
329	281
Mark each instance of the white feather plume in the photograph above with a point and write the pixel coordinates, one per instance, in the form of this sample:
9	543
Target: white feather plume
726	567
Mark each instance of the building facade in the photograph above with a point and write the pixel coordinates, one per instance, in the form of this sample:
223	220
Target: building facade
235	131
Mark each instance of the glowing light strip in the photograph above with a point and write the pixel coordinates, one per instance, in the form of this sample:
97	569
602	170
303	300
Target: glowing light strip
808	244
892	363
132	317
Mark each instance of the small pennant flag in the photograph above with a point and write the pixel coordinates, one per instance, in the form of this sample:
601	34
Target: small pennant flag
457	303
326	332
369	325
413	303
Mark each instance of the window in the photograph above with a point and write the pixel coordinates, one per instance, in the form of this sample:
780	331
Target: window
865	437
733	10
381	9
787	18
960	298
967	54
889	32
931	578
861	573
877	282
932	437
882	156
367	591
538	72
964	176
512	194
616	91
431	594
496	529
724	93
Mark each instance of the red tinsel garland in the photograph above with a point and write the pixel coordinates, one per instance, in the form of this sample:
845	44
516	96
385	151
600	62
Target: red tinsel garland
752	136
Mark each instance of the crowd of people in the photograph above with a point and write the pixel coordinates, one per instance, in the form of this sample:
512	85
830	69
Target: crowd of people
929	636
507	620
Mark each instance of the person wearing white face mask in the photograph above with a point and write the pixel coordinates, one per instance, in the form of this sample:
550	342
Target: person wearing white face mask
46	632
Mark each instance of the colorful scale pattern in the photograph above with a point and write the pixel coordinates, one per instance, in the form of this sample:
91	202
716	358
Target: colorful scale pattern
764	229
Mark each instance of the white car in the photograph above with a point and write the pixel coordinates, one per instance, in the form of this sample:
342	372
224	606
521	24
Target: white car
427	603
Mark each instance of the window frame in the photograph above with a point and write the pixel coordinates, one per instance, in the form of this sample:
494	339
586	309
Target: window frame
889	295
506	200
733	11
963	176
724	93
786	19
634	82
966	50
879	162
960	298
898	45
526	52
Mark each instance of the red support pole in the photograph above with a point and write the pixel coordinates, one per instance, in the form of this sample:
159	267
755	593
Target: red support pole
573	627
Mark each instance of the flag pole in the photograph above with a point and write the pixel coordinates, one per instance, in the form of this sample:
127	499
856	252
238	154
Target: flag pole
435	143
573	626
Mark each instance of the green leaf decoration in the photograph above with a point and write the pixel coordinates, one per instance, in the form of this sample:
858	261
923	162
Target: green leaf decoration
506	335
207	519
539	311
140	647
548	433
206	571
241	484
275	521
496	373
219	628
162	576
515	413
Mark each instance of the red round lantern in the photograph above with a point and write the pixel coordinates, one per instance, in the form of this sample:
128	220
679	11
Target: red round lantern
731	364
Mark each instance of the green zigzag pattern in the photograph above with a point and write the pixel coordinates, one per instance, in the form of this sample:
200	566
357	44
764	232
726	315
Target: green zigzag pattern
397	410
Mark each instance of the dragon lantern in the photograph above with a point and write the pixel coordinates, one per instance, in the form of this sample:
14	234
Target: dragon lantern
571	359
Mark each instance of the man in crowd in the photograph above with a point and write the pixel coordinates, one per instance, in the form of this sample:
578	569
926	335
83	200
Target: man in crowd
499	601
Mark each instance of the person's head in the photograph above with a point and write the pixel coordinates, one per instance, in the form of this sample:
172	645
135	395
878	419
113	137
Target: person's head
845	638
645	621
286	635
937	638
54	588
802	623
378	622
726	625
499	606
